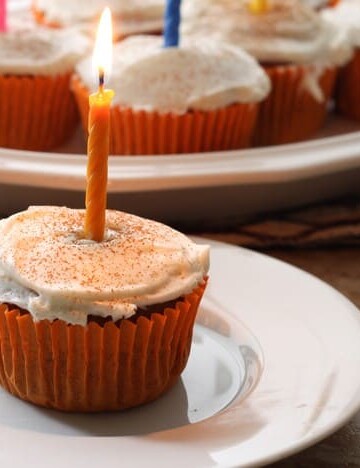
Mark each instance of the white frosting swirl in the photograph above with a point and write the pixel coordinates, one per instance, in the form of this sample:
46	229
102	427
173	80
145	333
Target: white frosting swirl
289	32
129	16
47	268
40	51
346	17
201	74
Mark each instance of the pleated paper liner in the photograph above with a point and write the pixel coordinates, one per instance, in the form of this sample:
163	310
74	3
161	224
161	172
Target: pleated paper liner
99	367
37	112
348	88
290	113
146	133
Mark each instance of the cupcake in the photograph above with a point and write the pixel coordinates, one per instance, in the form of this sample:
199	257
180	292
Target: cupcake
129	16
299	51
201	96
87	326
37	107
346	17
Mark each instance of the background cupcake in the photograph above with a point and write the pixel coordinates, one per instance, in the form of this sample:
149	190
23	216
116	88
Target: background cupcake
37	108
201	96
129	16
94	326
299	51
346	17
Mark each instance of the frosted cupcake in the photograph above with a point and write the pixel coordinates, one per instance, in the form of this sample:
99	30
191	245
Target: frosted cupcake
300	52
129	16
87	326
37	108
346	17
201	96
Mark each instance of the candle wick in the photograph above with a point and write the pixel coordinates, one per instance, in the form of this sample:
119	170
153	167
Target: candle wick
101	79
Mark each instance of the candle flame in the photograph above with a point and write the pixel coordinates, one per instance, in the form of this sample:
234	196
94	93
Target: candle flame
102	57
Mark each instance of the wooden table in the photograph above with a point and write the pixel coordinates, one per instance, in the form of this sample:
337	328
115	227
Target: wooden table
339	267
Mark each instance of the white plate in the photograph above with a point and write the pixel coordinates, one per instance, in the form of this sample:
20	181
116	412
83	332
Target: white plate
210	187
216	169
310	336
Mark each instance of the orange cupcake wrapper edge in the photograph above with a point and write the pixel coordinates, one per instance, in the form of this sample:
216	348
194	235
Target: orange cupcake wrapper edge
96	367
146	133
38	112
348	90
290	113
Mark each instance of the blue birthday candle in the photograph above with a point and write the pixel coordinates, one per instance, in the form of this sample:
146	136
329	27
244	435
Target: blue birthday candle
172	23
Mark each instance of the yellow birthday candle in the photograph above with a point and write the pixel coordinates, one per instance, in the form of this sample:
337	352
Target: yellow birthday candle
99	133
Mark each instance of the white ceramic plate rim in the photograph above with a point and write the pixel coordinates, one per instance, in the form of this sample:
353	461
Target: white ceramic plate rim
354	405
153	173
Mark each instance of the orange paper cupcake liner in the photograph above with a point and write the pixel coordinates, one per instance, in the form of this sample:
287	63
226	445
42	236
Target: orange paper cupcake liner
348	89
37	112
146	133
290	113
94	368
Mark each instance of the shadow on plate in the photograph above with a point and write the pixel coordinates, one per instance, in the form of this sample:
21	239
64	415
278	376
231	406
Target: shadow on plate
168	412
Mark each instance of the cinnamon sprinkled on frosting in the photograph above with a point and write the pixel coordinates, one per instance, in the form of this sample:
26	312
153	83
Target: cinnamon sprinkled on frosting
48	268
40	51
201	74
288	32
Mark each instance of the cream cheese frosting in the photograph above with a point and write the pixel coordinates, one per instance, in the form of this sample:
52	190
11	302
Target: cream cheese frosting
40	51
129	16
200	74
289	32
49	269
345	16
